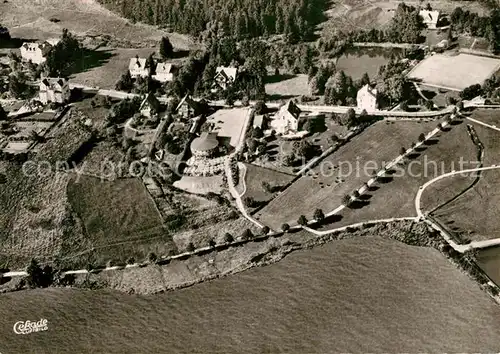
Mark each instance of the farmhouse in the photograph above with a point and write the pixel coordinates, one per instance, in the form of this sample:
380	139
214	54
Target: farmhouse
224	77
36	52
287	119
54	90
188	107
137	67
205	145
430	18
367	98
150	106
164	72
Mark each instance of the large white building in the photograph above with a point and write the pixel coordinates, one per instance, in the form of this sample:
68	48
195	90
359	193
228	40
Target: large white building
137	67
36	52
430	18
287	119
54	90
367	98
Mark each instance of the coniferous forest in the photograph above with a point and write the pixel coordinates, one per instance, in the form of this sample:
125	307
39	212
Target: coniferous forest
240	18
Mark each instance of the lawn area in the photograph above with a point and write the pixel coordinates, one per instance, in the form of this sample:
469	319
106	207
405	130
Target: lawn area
115	213
395	196
474	215
256	175
343	171
454	72
287	86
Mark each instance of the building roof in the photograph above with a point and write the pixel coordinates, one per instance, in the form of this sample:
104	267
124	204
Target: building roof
226	71
164	68
291	108
367	89
53	83
45	47
151	101
429	16
258	120
205	142
189	101
137	63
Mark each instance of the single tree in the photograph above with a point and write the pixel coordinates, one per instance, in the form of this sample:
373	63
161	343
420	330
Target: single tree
265	230
152	257
319	216
246	235
404	106
285	227
402	151
257	133
131	260
211	243
355	194
166	48
346	200
302	220
190	247
421	138
228	238
125	83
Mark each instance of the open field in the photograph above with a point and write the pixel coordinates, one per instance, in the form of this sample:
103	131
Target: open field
229	124
462	215
288	86
115	212
454	72
489	260
394	196
256	175
357	295
29	19
343	171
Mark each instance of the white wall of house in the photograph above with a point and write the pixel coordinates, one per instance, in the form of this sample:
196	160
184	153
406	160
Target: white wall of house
33	53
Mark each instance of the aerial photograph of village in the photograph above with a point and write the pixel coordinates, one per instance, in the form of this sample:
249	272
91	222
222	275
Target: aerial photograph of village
249	176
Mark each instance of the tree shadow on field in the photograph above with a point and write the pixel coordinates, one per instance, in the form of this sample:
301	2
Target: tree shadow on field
333	219
413	155
360	203
373	188
92	59
431	142
278	78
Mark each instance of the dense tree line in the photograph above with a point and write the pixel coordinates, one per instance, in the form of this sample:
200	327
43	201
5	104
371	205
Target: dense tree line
393	86
241	18
476	25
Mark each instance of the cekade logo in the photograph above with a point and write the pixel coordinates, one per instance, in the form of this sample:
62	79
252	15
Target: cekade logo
28	327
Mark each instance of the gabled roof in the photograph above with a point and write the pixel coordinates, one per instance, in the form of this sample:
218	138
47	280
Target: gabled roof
53	83
137	63
151	101
429	16
164	68
227	72
189	101
45	47
367	89
291	108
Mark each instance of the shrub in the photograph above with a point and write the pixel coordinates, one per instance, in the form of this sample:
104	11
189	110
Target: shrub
228	237
152	257
302	220
190	247
421	137
355	194
285	227
131	260
346	200
246	235
402	151
211	243
319	215
265	230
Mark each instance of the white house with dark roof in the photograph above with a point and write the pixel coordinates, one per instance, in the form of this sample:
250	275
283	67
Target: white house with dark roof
36	52
137	67
188	107
366	98
150	106
164	72
430	18
224	77
287	119
54	90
